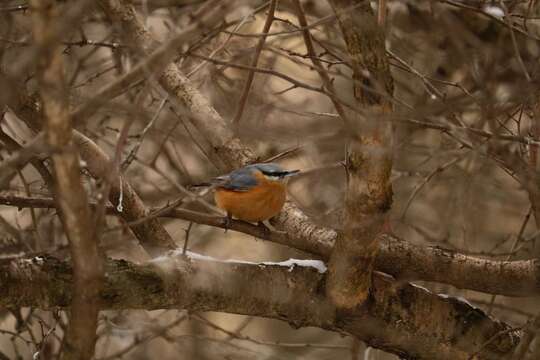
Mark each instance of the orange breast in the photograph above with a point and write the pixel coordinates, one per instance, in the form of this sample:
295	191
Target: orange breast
258	204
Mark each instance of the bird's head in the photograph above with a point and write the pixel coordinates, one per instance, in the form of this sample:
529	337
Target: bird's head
273	172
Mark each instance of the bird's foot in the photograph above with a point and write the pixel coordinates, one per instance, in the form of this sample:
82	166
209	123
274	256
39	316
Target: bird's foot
227	221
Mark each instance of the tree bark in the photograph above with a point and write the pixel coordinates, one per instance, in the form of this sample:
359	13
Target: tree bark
368	196
396	256
408	321
69	194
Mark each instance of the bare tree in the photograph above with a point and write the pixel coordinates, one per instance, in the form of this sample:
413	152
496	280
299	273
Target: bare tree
411	231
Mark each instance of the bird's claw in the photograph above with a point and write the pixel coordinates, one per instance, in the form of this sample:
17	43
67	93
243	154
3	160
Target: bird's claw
227	221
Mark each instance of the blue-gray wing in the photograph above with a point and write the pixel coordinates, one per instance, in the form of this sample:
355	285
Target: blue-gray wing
239	180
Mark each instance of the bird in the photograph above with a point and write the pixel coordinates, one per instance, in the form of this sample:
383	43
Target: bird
254	193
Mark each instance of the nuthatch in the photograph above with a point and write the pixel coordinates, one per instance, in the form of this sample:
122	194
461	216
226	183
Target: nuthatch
254	193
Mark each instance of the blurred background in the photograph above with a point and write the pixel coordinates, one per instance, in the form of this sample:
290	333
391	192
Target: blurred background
465	101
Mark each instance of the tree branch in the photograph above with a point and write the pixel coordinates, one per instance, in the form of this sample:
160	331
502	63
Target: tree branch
227	152
408	321
10	166
69	192
369	157
301	233
151	234
397	257
251	74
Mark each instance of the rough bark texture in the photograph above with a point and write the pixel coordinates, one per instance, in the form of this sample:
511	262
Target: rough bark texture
69	193
408	320
369	157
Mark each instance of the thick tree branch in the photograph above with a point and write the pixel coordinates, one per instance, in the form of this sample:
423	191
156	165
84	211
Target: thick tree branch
369	157
408	321
396	256
69	192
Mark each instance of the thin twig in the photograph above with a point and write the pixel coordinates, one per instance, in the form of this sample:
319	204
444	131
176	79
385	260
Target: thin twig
316	62
251	74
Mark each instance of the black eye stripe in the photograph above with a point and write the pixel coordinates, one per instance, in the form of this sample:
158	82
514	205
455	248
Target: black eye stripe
276	173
